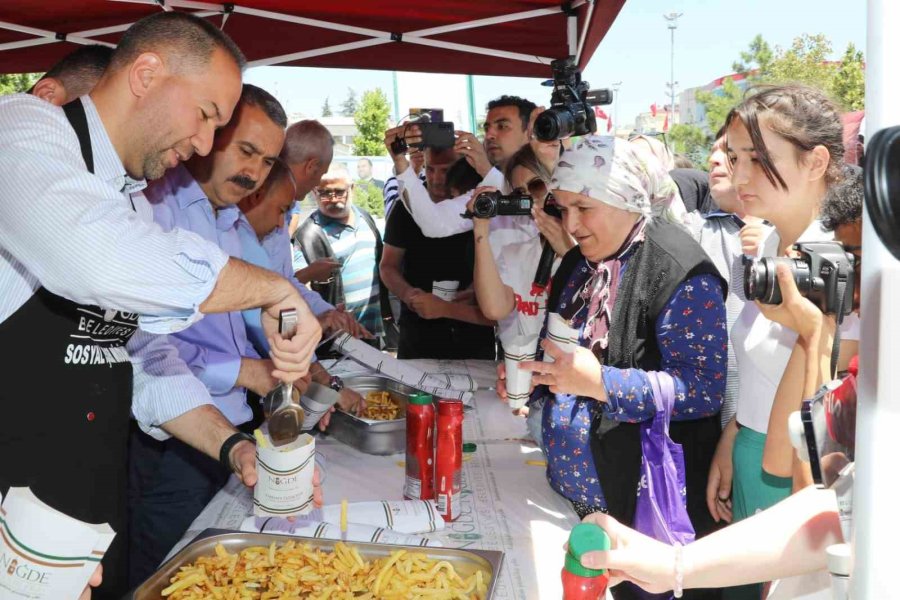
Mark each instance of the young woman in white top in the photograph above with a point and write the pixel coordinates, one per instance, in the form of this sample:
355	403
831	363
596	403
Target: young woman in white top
785	148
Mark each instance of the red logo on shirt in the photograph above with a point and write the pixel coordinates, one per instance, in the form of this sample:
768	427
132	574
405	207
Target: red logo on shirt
530	308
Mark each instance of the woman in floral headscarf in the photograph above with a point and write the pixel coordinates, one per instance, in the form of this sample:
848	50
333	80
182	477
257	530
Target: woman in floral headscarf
643	296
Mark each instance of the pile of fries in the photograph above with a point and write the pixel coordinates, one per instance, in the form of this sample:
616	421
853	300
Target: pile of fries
381	407
297	570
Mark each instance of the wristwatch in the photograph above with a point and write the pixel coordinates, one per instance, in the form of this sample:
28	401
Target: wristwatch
336	383
232	441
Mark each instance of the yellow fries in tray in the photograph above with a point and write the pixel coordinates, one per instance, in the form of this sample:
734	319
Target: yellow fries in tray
381	407
297	570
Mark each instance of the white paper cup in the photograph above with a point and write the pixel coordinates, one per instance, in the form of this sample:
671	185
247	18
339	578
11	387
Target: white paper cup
317	400
559	332
284	487
518	381
445	290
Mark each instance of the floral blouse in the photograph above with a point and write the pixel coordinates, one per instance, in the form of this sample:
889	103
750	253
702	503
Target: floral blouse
693	342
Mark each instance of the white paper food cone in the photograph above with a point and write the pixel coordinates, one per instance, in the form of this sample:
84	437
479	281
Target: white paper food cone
44	553
284	487
316	402
560	333
445	290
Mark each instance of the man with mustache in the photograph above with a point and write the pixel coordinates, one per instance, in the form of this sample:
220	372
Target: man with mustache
170	482
72	309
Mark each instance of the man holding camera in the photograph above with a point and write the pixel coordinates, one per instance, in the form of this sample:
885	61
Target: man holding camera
437	318
506	130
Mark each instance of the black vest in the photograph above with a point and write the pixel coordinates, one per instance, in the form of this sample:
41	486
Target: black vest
667	257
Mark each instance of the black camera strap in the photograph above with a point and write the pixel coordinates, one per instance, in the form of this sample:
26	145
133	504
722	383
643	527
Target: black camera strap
839	319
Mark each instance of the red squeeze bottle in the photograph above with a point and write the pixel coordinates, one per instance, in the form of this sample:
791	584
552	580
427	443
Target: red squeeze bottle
579	582
419	483
448	458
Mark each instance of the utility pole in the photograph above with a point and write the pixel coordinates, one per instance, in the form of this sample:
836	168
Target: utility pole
672	18
615	89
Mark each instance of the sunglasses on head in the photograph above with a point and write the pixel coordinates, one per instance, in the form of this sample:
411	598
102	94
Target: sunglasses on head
333	193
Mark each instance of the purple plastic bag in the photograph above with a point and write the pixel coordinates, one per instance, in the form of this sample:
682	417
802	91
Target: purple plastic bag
661	510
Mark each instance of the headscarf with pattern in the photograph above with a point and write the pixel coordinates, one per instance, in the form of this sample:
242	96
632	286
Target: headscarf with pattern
609	170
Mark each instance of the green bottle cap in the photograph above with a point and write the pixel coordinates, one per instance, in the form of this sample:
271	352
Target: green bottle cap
584	538
420	398
469	447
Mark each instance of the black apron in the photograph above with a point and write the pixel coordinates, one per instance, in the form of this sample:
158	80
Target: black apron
66	396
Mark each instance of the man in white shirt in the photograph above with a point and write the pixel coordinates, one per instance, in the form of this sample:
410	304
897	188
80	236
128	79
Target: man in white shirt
72	296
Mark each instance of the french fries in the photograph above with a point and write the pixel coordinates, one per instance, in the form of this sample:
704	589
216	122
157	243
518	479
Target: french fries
381	407
297	570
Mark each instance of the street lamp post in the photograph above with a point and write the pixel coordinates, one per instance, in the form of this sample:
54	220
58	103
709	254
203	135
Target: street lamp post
672	18
615	89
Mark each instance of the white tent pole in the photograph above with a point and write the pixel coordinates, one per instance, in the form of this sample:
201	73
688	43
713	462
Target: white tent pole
43	33
476	50
530	14
27	43
124	26
572	34
274	60
584	30
876	488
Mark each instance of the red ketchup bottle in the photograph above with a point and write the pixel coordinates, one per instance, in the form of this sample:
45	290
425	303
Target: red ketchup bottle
448	458
579	582
419	448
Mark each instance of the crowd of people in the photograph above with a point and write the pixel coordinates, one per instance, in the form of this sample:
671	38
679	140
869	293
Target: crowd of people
155	319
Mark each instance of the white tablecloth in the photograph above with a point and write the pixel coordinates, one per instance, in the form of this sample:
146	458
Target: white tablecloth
506	503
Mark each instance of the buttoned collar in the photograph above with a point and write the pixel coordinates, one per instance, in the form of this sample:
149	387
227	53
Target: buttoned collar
107	164
188	193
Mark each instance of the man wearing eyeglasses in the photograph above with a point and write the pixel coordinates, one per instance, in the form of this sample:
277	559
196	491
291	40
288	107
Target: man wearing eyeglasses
337	251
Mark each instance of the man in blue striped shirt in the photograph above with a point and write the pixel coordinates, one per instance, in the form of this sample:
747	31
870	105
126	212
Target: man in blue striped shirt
347	234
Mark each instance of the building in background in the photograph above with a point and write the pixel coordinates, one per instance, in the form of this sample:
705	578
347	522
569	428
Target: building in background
691	112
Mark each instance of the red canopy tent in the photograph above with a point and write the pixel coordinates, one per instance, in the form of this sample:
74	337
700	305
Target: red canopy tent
507	37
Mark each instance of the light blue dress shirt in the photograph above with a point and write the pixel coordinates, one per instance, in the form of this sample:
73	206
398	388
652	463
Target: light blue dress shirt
212	348
273	253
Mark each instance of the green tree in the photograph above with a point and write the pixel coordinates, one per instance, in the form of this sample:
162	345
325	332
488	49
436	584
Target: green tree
326	108
850	80
806	62
691	141
371	120
14	83
367	196
349	106
717	104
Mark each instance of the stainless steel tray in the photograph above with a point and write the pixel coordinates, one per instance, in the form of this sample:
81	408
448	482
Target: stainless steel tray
373	437
464	561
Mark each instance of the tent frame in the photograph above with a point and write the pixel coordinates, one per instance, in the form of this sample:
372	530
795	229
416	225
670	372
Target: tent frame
374	37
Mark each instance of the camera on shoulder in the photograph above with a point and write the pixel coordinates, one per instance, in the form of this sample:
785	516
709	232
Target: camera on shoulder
571	103
823	273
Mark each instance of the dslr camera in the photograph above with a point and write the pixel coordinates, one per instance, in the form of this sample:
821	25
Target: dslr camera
492	204
823	274
570	111
436	133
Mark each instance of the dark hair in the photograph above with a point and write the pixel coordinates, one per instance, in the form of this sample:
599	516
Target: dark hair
843	203
525	157
525	107
80	70
462	177
180	34
683	162
279	173
256	96
802	115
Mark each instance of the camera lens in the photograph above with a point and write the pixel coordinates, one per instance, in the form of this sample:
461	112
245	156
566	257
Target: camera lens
485	205
760	282
553	124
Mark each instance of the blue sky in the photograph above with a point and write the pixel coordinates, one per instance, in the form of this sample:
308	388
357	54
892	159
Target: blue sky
710	36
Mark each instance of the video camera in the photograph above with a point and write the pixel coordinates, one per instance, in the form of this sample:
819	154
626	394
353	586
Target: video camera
493	204
436	133
570	111
823	273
